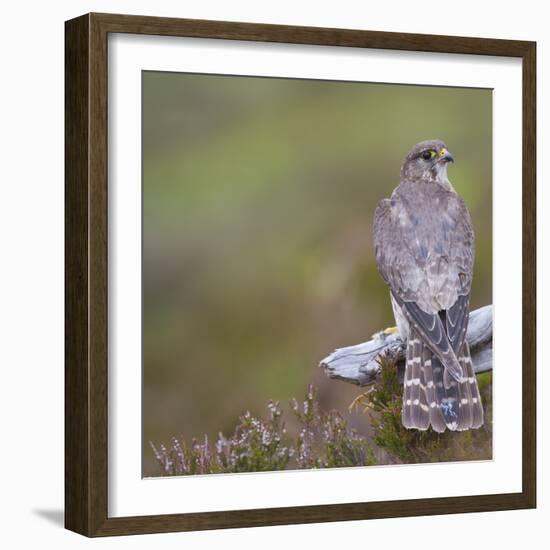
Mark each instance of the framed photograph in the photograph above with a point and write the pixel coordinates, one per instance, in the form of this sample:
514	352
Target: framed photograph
300	274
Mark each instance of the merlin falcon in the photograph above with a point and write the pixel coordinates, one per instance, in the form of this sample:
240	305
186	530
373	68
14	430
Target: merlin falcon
424	246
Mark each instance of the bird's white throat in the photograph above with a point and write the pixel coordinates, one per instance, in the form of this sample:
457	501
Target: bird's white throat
440	173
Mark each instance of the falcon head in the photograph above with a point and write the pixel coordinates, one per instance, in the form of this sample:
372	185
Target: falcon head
427	161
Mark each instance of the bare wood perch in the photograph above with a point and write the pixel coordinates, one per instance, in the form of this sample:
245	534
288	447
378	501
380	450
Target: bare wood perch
358	364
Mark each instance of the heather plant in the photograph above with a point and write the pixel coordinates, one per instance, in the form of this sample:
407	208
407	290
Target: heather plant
255	446
324	441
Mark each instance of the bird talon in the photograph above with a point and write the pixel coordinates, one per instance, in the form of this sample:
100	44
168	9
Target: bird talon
391	330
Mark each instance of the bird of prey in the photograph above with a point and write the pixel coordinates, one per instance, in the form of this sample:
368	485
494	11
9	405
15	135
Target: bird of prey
424	246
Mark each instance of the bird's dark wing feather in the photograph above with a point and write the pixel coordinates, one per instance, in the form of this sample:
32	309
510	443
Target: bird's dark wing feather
432	330
456	323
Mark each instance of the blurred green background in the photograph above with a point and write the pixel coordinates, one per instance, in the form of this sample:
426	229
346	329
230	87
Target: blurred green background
258	198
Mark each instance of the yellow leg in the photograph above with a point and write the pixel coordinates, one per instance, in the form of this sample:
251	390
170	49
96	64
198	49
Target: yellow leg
391	330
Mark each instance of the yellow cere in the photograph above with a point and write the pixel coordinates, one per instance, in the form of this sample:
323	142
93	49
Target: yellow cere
442	152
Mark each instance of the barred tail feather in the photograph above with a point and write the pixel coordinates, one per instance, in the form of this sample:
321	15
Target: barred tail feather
416	347
470	390
423	411
415	412
446	394
406	411
436	416
452	405
465	403
431	396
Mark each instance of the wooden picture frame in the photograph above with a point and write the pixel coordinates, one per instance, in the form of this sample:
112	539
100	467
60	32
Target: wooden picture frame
86	283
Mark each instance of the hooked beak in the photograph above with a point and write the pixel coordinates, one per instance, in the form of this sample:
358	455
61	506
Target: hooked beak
445	156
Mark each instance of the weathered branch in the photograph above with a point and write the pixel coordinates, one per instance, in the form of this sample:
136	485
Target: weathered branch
358	364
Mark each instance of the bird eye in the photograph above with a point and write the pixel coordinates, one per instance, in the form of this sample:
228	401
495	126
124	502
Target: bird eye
428	155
